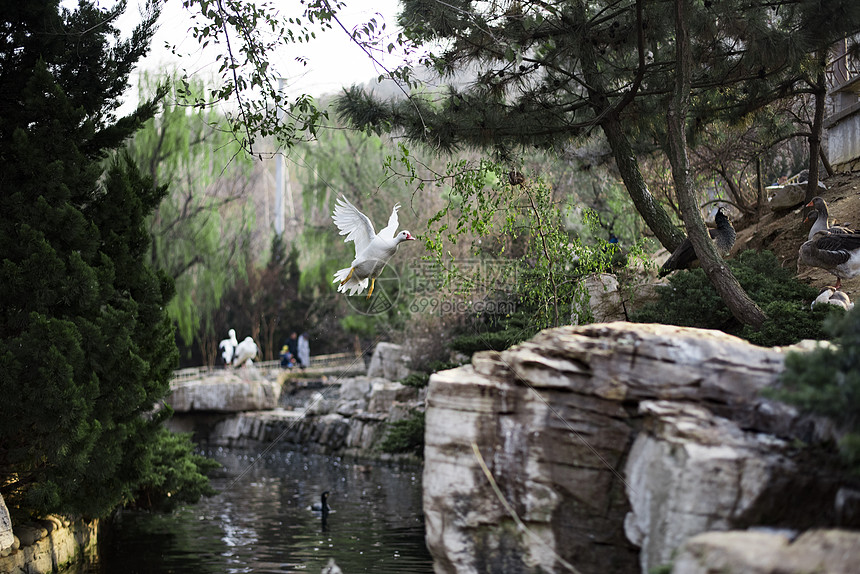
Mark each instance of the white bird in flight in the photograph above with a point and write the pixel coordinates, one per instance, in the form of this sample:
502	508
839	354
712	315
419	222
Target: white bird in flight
372	250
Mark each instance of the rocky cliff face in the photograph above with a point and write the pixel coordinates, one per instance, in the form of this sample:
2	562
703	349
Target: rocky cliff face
7	537
347	416
351	420
604	447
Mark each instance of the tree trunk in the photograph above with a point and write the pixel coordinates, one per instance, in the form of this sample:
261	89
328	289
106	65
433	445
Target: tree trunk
820	90
742	307
827	167
655	217
759	183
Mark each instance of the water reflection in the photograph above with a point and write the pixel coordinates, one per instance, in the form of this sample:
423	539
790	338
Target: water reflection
262	522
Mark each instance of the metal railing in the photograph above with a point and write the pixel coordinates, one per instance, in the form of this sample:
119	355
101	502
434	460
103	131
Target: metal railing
842	67
318	363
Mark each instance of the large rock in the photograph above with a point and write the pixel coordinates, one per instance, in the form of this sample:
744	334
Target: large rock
820	551
608	301
385	394
389	361
790	195
47	547
690	471
361	394
7	537
224	392
330	433
554	420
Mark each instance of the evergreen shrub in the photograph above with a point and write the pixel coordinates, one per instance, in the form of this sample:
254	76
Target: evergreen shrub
420	379
173	474
495	334
690	301
826	381
405	435
86	346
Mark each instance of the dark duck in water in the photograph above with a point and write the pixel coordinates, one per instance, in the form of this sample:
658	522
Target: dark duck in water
322	505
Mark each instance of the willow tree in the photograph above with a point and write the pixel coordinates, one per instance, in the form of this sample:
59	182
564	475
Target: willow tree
200	232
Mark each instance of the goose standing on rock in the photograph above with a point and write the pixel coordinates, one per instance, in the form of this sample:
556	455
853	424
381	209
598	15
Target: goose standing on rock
372	250
838	253
685	256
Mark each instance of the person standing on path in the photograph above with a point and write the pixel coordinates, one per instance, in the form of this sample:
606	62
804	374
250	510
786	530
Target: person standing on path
304	351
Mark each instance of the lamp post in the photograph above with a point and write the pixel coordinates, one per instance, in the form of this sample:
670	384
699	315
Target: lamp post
279	172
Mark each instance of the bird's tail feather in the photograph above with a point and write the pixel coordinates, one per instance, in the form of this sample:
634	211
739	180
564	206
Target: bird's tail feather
354	285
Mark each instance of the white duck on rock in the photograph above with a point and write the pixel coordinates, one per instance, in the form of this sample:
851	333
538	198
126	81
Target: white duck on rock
246	351
372	250
228	347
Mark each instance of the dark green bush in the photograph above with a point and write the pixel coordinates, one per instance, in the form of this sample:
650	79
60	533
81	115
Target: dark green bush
494	334
789	322
406	435
826	381
420	379
690	301
417	380
175	475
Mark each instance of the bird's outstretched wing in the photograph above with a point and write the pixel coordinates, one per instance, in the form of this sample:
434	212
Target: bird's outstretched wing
354	224
390	229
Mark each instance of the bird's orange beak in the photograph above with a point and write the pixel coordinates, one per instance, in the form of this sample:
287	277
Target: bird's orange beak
410	237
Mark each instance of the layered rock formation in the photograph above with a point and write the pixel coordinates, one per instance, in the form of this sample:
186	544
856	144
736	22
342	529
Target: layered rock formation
822	551
389	361
690	471
348	419
7	537
228	391
345	416
47	545
604	439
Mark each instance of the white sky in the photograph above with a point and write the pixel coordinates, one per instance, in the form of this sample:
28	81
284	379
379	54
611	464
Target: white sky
333	60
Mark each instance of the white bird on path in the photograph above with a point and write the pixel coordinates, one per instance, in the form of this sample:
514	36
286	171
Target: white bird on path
228	347
246	350
372	250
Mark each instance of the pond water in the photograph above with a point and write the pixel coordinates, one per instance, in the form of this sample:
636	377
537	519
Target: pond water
261	521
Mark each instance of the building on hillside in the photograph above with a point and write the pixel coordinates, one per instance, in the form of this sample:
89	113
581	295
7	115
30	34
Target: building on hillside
842	122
